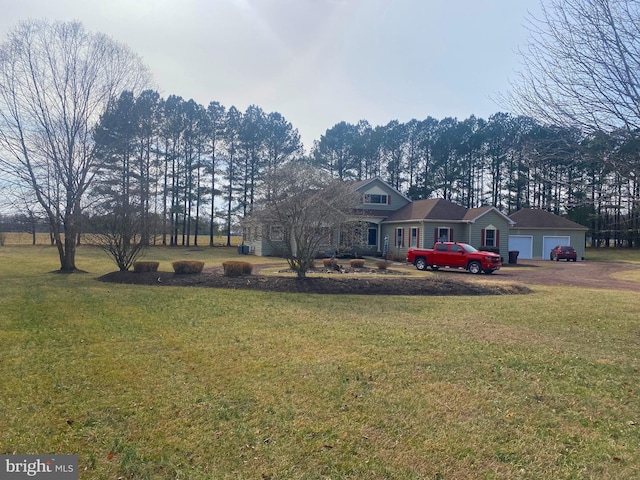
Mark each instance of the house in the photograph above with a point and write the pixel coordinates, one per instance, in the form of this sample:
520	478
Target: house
424	222
536	232
392	223
379	200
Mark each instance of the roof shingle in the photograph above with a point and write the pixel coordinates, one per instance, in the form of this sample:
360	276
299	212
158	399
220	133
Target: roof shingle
534	218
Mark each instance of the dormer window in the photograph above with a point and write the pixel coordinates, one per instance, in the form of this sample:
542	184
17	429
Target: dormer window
375	199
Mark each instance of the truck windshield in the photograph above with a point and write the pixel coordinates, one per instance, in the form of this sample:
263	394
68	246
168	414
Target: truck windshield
469	248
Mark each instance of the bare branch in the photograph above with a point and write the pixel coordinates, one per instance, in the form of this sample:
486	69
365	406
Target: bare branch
56	79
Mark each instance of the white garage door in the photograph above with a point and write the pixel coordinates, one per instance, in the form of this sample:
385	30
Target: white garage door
549	242
523	244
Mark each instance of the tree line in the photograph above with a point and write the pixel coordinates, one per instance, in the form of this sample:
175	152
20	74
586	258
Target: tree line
184	170
191	170
508	161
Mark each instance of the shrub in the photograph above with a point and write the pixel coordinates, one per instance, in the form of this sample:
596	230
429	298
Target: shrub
145	266
330	262
382	265
187	266
356	263
237	268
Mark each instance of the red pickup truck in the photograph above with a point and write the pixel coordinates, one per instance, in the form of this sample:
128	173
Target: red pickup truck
454	255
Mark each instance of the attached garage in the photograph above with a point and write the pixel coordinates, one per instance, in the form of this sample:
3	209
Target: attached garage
523	244
536	232
549	242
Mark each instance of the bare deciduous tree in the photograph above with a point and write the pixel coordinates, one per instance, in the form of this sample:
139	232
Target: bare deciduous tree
582	66
119	232
306	206
55	81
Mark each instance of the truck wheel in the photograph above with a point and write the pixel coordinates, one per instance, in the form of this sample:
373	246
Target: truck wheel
421	263
475	268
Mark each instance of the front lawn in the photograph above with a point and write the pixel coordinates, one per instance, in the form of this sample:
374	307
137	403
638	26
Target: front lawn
163	383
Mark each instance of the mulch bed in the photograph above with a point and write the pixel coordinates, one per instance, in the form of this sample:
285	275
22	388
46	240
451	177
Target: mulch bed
338	284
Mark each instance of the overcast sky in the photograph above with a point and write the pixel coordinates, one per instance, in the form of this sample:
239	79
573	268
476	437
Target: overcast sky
317	62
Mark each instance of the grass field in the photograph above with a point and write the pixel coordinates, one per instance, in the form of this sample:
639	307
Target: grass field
22	238
166	383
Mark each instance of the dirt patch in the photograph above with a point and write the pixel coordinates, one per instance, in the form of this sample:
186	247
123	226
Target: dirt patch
379	284
572	274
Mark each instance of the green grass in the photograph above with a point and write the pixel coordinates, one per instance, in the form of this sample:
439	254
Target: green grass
613	254
165	383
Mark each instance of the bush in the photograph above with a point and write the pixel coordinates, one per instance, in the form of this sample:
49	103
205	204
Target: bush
330	263
356	263
187	266
145	266
237	268
382	265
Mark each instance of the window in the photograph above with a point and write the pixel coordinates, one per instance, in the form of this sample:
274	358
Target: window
414	237
441	248
490	237
372	236
276	233
326	235
399	237
456	248
444	234
375	198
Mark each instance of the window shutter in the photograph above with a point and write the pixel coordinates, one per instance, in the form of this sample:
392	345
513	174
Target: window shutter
498	238
451	234
418	238
435	236
388	199
482	237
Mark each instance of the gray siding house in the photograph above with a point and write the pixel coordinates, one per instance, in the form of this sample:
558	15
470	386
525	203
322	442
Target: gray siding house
393	223
424	222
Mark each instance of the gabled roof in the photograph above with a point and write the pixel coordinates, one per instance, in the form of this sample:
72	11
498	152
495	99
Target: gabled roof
474	214
534	218
363	183
433	209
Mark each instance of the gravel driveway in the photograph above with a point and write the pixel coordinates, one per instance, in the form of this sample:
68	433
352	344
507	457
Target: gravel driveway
577	274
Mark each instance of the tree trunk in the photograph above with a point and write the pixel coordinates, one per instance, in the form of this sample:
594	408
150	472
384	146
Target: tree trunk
68	253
